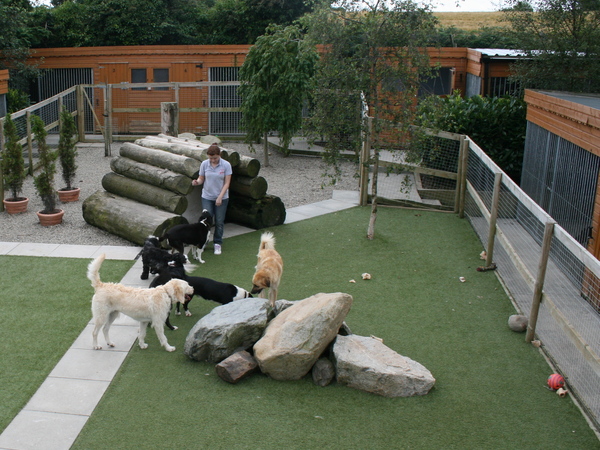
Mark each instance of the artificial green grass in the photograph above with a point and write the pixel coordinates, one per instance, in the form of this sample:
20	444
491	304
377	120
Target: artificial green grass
45	303
490	390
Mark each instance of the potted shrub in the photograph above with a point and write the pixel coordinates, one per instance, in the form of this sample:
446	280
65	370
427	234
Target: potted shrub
13	169
44	181
67	152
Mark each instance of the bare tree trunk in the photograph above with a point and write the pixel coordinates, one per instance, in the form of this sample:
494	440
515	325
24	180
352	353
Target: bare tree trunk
266	148
373	218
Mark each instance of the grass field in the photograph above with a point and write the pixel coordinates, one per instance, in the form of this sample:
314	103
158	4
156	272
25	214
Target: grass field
45	303
470	20
490	390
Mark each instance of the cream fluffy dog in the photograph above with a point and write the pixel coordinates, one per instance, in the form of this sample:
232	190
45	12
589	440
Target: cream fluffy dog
268	269
145	305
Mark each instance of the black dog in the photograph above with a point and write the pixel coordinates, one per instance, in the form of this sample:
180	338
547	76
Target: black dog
195	234
154	257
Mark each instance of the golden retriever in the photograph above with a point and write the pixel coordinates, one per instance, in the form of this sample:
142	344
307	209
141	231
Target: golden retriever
145	305
268	269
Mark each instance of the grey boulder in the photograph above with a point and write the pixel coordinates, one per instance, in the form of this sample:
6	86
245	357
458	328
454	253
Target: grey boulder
367	364
226	329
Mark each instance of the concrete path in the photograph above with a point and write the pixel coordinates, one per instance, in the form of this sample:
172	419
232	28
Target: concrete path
57	412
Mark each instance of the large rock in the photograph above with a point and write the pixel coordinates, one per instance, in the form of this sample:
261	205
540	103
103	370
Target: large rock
226	329
367	364
296	338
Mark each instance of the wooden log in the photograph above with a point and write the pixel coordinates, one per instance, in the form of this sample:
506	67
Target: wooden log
125	218
255	188
169	118
267	212
231	156
247	166
144	193
186	147
166	160
197	153
182	140
236	367
156	176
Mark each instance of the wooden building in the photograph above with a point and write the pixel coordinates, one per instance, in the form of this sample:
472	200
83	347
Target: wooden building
561	166
3	91
203	80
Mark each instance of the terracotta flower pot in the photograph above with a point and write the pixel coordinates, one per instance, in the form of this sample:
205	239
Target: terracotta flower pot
54	218
16	206
71	195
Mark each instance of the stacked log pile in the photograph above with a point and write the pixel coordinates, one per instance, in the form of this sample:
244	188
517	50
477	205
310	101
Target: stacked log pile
149	188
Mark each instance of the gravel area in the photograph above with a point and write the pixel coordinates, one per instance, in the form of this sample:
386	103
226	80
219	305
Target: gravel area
297	180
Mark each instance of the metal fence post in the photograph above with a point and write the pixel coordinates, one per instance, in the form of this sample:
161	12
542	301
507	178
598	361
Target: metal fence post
539	282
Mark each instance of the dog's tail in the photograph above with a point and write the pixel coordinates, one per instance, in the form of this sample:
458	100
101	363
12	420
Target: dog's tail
267	241
93	272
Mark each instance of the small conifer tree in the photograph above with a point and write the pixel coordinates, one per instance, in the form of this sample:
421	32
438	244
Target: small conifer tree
13	164
67	152
44	182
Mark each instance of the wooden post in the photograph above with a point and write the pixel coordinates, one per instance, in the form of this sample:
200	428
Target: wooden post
80	114
365	155
169	113
1	172
464	162
29	142
107	120
493	219
539	282
459	172
60	108
176	88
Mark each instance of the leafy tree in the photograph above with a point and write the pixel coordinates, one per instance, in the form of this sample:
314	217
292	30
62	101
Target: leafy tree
372	49
561	43
275	79
497	125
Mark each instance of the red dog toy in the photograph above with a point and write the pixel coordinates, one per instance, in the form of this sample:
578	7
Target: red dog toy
556	381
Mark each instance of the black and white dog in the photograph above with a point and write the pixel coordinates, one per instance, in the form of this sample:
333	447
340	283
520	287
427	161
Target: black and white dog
195	234
154	257
204	287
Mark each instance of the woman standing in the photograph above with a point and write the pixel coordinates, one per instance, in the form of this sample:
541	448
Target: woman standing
215	175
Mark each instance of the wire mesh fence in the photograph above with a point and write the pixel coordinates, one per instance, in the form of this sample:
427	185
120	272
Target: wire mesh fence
568	321
512	229
423	175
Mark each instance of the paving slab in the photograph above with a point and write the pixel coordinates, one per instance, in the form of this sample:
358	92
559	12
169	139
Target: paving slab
37	430
68	396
